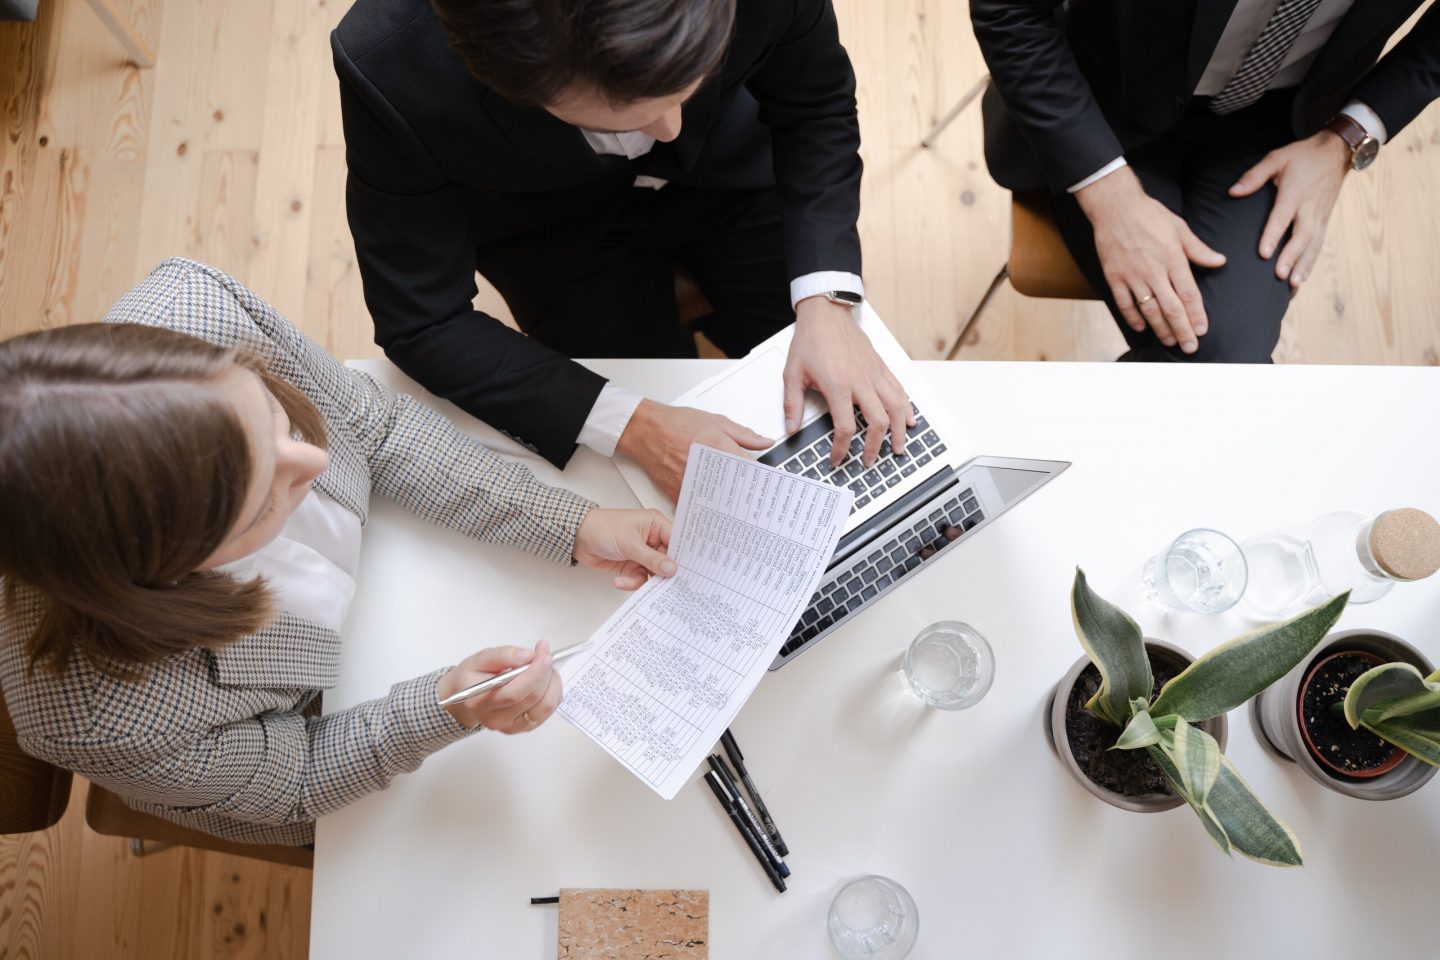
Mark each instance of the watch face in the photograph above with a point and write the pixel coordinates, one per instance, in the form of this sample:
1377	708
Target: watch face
846	297
1366	153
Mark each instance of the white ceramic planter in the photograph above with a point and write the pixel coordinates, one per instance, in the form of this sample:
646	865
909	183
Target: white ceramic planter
1275	714
1055	732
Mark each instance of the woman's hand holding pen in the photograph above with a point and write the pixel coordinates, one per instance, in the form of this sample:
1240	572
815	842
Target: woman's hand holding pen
517	707
630	543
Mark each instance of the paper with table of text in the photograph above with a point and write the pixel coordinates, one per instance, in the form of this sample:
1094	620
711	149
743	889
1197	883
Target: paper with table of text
668	672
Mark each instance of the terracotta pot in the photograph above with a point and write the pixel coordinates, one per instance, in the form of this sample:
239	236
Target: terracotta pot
1275	714
1055	732
1396	754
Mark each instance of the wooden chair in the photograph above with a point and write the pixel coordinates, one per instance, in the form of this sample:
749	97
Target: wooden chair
107	814
1040	264
34	795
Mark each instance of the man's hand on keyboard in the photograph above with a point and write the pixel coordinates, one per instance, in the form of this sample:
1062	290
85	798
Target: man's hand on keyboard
831	355
658	437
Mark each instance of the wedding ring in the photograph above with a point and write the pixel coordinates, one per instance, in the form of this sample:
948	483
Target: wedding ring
526	717
1145	299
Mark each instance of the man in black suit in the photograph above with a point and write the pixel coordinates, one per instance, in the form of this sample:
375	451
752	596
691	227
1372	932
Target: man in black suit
1206	132
574	152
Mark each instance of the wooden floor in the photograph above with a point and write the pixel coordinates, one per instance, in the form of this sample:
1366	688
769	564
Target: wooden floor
230	151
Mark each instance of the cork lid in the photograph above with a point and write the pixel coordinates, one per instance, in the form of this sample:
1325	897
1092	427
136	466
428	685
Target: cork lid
1406	543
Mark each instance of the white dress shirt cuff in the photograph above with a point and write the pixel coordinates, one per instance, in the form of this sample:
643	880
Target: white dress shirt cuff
1106	170
612	411
1367	118
824	281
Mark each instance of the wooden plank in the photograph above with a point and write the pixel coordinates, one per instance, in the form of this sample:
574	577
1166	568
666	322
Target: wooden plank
928	216
225	218
334	312
296	71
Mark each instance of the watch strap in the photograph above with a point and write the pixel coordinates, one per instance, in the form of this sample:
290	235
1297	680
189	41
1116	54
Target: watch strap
1349	130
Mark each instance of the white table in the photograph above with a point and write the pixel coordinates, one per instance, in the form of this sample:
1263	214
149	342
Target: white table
1005	855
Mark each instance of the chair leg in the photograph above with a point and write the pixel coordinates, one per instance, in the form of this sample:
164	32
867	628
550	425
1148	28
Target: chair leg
124	31
138	847
975	316
955	111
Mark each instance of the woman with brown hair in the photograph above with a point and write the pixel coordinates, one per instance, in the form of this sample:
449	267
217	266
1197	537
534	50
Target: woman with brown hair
182	493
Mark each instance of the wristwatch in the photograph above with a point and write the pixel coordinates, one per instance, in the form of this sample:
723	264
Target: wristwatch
1363	147
846	298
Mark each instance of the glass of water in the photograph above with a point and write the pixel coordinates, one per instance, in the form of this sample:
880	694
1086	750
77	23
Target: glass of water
1201	571
873	918
950	665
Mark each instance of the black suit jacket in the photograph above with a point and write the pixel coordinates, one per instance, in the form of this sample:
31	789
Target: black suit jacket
447	178
1074	89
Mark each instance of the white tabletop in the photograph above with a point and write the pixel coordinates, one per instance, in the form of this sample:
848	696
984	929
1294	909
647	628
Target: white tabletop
1004	854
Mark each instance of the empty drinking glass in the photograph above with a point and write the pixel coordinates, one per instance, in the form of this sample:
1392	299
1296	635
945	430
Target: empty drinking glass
873	918
950	665
1201	571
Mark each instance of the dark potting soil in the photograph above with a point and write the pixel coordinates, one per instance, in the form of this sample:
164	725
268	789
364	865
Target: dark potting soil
1128	772
1355	750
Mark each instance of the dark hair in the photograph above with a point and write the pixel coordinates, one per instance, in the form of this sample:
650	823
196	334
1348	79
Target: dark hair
532	51
122	468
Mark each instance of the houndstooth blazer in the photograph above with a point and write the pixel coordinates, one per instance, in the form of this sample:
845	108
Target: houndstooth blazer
217	741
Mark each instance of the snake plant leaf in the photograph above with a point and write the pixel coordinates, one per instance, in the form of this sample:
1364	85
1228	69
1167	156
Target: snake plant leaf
1114	644
1417	734
1139	732
1389	690
1251	828
1197	757
1240	668
1207	818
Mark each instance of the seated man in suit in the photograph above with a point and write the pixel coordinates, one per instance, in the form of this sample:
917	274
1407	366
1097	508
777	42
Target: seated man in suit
574	153
1214	133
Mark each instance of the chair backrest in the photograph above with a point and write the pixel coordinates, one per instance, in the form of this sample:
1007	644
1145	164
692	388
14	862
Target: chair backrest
1040	263
33	793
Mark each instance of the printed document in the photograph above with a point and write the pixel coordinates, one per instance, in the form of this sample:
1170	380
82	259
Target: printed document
668	672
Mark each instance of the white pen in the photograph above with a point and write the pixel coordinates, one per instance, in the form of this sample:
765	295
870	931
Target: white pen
500	679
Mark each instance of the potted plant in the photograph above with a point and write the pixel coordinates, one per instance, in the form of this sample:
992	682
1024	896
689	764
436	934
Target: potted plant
1151	734
1337	717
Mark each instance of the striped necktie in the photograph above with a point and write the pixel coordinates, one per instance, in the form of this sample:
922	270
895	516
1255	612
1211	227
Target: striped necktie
1263	60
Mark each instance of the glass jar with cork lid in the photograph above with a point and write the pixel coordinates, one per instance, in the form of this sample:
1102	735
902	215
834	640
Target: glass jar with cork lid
1295	568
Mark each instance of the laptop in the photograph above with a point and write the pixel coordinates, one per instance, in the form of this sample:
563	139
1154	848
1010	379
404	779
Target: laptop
908	511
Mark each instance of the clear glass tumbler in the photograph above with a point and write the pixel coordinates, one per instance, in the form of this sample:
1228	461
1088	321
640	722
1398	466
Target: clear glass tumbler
873	918
950	665
1200	571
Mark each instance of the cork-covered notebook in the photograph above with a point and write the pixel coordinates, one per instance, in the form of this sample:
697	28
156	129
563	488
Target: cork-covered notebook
634	924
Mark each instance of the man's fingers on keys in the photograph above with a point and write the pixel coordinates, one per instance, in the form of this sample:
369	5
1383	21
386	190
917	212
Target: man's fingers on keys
877	423
904	396
842	415
897	408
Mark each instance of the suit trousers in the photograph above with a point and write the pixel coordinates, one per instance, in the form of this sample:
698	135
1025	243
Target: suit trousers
1190	169
619	299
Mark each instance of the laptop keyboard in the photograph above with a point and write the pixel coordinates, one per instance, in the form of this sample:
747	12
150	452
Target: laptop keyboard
807	453
850	589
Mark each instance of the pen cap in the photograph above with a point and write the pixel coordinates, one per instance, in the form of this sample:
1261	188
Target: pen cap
732	749
721	793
